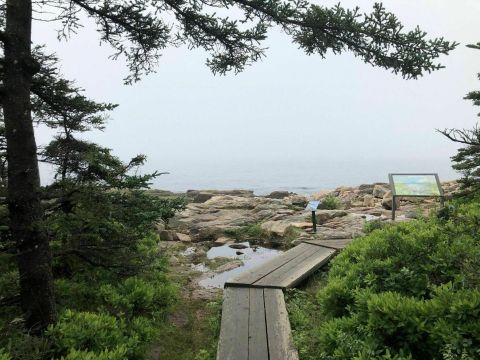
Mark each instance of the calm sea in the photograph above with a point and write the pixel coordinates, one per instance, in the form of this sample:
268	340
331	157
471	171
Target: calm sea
302	176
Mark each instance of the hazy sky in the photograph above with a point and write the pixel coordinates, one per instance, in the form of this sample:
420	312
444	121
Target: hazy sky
287	107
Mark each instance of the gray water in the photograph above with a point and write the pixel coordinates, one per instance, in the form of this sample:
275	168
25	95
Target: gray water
299	176
251	257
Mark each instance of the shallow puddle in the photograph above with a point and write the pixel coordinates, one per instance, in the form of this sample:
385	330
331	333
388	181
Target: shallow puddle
251	257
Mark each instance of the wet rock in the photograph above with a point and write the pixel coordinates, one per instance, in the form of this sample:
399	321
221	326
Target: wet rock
229	266
221	241
238	246
278	195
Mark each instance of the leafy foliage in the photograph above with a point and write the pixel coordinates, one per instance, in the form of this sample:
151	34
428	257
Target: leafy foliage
410	291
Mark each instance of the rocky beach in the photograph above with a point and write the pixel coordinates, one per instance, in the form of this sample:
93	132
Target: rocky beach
247	226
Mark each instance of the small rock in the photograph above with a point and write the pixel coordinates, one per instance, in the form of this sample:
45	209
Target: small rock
368	201
298	200
239	252
379	190
326	215
229	266
387	201
365	189
184	237
411	215
168	235
221	241
200	198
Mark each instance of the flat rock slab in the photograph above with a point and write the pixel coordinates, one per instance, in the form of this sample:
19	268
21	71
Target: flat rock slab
255	326
286	270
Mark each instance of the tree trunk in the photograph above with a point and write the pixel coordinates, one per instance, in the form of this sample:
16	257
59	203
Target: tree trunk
26	213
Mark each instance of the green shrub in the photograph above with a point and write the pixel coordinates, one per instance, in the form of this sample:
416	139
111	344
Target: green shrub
87	331
9	284
118	354
255	231
329	202
4	355
373	225
96	332
409	291
23	346
214	321
136	296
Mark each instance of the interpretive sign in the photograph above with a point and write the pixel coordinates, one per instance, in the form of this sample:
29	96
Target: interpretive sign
414	185
312	205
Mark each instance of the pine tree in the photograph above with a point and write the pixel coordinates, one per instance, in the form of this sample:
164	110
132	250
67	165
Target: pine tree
467	159
138	30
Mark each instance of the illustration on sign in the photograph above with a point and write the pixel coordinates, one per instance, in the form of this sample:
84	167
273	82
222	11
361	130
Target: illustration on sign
416	185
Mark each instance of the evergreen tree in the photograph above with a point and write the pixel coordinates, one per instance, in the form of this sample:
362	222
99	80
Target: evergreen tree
467	159
138	30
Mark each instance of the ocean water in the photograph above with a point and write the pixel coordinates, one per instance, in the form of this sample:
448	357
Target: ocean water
300	176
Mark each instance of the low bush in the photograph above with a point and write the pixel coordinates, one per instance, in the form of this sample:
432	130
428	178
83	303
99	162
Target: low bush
98	332
4	355
118	354
136	296
329	202
409	291
373	225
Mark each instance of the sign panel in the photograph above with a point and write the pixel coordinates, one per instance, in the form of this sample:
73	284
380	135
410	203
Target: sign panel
415	185
312	205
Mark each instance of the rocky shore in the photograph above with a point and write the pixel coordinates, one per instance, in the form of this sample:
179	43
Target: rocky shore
278	219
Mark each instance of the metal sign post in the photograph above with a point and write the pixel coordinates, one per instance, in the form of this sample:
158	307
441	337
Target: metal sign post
312	206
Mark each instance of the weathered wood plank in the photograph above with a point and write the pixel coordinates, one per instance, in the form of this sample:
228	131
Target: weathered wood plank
253	275
295	275
333	243
257	328
292	271
280	342
233	341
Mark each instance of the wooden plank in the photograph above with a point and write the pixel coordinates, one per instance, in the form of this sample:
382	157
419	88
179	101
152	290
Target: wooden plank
296	275
233	341
251	276
280	342
332	243
290	272
257	328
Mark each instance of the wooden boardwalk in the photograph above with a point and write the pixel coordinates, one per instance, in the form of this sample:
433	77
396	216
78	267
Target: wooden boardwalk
255	326
255	323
